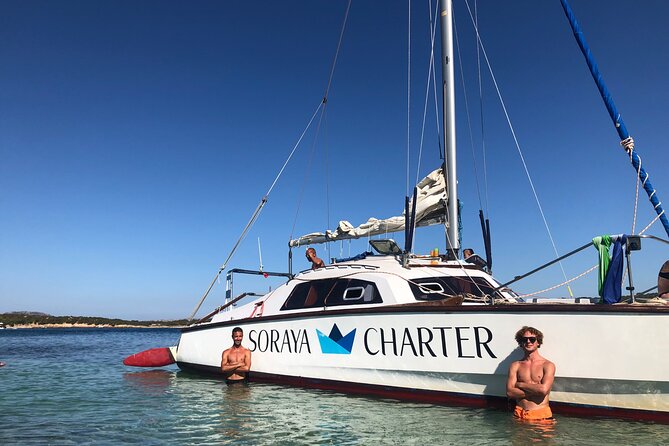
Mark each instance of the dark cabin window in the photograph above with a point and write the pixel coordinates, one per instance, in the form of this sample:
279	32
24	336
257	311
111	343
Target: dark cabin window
332	292
436	288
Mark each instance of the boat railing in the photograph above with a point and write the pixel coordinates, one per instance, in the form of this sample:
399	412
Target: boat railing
633	243
217	310
231	272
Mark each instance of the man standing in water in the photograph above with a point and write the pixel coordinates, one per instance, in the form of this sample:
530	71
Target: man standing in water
236	361
530	379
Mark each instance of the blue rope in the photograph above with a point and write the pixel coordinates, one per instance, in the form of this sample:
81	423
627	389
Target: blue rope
615	116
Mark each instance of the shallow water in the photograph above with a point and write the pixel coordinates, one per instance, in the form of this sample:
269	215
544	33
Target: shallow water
68	386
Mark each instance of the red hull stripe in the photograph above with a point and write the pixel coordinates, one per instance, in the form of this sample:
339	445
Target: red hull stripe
435	397
155	357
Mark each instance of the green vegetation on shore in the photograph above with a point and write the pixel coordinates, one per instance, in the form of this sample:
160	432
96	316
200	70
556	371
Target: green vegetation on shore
33	318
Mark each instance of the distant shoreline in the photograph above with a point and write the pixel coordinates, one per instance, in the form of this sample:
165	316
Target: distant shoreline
68	325
25	319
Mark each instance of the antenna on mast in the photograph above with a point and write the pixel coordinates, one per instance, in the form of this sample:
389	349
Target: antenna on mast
260	254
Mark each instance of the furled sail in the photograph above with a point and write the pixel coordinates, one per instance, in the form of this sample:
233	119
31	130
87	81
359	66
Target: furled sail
430	210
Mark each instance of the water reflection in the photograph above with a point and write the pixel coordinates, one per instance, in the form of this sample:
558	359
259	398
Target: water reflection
235	412
534	432
155	381
204	410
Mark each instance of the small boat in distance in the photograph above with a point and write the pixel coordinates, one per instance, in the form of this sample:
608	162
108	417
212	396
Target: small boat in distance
436	328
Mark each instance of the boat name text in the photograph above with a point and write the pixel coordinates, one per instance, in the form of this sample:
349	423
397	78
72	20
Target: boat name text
290	341
424	341
460	342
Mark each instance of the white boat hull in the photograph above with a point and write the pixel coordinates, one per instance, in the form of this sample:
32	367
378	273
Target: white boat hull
610	360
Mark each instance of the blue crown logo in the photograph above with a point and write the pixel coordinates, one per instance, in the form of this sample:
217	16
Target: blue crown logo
335	343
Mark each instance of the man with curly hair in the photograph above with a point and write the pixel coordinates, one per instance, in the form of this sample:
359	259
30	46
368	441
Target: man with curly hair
530	379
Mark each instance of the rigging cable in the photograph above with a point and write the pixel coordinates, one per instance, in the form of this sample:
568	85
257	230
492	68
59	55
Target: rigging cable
484	210
520	152
264	199
636	194
430	82
254	217
325	100
442	155
483	144
469	120
408	95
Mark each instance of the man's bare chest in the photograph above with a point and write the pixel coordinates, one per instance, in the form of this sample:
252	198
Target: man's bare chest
531	373
236	355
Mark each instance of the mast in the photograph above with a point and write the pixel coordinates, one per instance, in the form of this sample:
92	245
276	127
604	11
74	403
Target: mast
448	84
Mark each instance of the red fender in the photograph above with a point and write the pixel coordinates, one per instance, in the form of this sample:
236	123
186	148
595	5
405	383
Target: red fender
154	357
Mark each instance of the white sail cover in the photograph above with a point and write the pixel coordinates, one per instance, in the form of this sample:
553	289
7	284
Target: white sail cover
430	210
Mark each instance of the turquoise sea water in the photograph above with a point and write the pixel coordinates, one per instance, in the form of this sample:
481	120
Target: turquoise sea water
68	386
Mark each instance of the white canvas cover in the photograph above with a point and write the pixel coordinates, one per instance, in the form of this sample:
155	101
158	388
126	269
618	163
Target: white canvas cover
430	210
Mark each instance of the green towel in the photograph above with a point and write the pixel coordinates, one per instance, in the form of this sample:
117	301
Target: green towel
602	244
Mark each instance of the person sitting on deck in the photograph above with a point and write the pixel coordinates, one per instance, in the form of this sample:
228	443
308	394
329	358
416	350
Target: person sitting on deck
530	379
315	261
475	259
663	281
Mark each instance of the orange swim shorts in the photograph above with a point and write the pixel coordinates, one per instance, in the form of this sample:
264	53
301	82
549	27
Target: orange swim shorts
542	413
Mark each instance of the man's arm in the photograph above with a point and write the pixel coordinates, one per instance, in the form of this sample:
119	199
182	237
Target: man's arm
245	365
227	366
544	387
512	391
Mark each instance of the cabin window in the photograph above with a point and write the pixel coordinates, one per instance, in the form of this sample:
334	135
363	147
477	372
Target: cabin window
436	288
352	292
332	292
308	295
431	287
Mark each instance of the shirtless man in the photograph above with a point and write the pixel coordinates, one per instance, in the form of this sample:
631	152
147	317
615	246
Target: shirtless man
530	379
236	361
315	261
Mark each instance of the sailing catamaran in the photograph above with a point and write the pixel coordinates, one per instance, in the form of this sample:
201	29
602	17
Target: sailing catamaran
435	328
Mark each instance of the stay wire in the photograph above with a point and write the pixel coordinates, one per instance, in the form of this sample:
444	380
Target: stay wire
334	61
305	178
520	152
262	203
430	82
324	104
408	94
469	120
482	115
255	216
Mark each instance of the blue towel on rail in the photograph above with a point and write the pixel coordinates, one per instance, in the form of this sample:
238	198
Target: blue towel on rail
612	288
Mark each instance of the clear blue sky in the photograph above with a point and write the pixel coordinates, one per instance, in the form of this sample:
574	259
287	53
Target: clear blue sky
136	139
